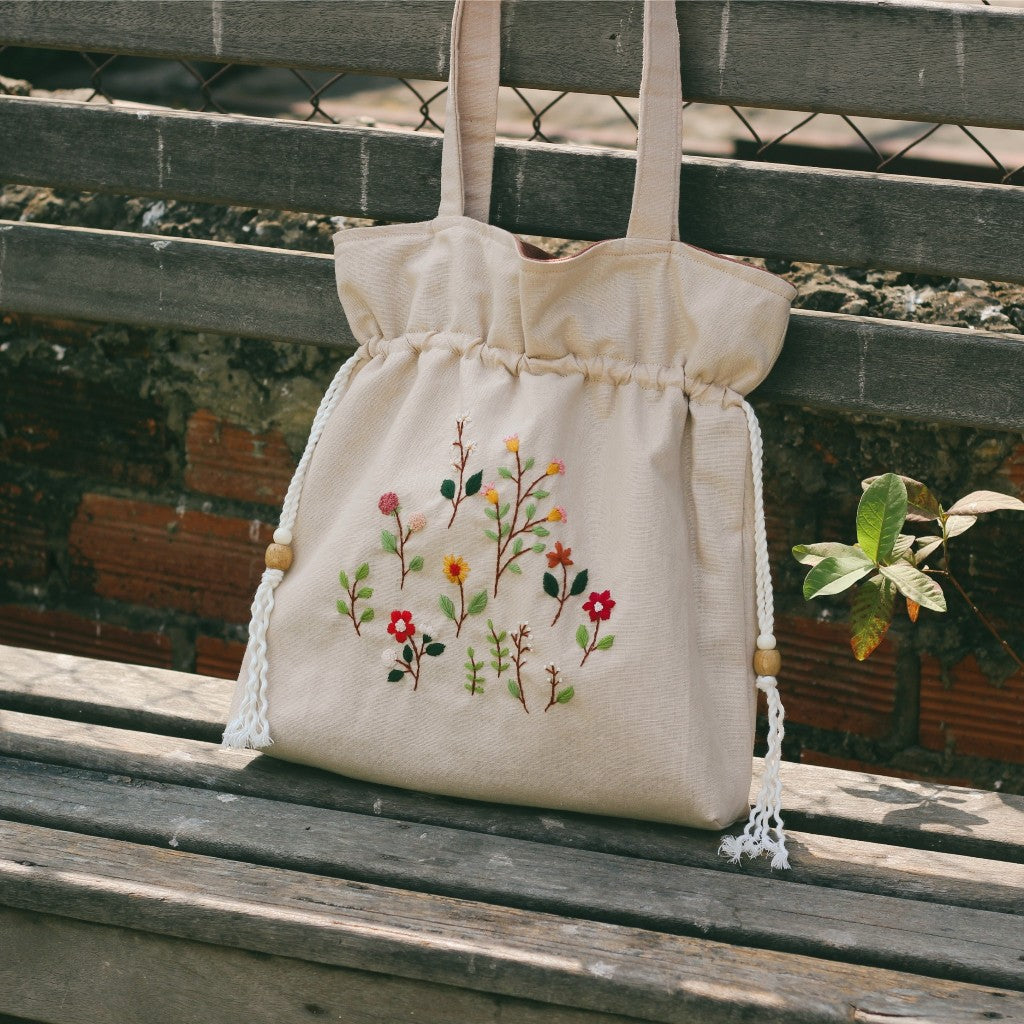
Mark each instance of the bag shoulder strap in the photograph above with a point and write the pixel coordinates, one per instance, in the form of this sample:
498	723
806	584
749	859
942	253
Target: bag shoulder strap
467	156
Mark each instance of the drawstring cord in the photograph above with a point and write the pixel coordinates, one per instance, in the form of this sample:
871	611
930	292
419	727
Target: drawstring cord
249	727
760	835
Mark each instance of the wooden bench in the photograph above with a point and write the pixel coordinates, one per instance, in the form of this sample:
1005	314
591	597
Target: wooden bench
148	875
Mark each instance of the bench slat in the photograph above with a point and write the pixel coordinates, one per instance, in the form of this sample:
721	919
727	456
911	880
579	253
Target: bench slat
817	860
765	54
924	938
572	962
821	800
926	225
846	363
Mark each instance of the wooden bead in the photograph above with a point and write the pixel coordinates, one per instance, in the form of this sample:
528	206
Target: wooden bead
767	663
279	556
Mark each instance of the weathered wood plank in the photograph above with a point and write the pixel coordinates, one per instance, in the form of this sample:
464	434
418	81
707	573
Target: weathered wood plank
913	60
134	977
817	860
925	938
820	800
570	962
852	364
960	229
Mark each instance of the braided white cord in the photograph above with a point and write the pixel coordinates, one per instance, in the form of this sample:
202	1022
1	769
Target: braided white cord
249	727
757	833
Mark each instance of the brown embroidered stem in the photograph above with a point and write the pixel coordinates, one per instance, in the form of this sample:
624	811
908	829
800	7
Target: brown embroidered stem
417	654
564	597
593	642
497	561
352	605
521	643
462	610
553	678
463	460
401	546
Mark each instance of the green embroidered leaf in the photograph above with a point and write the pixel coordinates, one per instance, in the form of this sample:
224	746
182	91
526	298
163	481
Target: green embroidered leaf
365	593
362	572
469	685
566	695
516	568
343	579
388	541
495	666
871	615
506	529
579	584
880	514
395	675
513	688
605	642
469	651
538	548
367	615
490	534
434	649
473	484
448	489
447	606
504	650
583	637
426	638
343	608
477	604
503	511
528	465
541	495
551	587
518	546
490	512
541	531
416	564
407	652
530	510
504	471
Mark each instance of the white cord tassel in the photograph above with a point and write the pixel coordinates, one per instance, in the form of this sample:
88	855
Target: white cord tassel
757	837
249	727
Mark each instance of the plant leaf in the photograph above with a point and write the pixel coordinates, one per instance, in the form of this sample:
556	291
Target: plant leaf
395	675
530	509
812	554
922	505
473	484
904	542
913	583
448	489
880	514
541	495
551	587
583	637
367	615
518	546
505	472
434	649
605	642
407	652
833	575
538	548
365	593
503	511
513	688
343	607
343	579
362	572
978	502
955	525
913	609
541	531
491	534
426	638
579	584
566	695
416	564
928	545
388	541
529	464
871	615
506	529
478	603
516	568
447	606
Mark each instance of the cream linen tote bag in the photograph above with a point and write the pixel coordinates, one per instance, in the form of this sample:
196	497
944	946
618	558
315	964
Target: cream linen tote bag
523	556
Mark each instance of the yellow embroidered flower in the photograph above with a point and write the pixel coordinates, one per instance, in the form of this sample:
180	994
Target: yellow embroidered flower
491	494
455	569
557	515
556	466
512	443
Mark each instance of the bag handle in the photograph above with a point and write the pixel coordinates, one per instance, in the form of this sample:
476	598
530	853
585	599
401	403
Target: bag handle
467	155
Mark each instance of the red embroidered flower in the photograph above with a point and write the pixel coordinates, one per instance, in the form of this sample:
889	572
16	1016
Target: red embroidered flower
388	503
401	626
599	606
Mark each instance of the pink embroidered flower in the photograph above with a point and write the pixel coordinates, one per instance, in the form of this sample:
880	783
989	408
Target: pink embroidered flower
599	606
556	466
557	515
417	522
401	626
388	503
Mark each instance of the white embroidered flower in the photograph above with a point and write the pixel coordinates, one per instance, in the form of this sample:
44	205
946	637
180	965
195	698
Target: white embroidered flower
387	655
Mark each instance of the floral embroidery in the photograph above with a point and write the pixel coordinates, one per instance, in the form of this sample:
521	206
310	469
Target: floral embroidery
561	592
356	593
451	490
476	682
562	696
498	652
403	629
510	530
521	642
456	570
395	544
599	608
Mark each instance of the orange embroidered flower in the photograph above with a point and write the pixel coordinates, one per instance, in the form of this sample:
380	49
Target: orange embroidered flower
556	466
599	606
512	443
456	569
560	556
557	515
401	626
491	494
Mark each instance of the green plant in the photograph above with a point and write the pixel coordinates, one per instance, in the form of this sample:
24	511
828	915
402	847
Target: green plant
887	562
